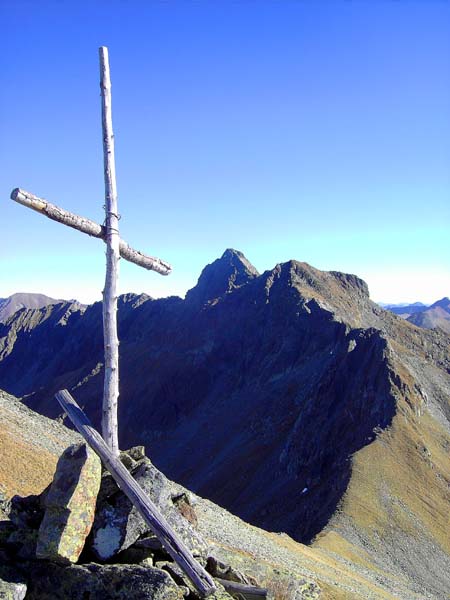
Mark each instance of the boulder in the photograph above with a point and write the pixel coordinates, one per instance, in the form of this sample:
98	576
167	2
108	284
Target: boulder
227	572
118	524
12	583
70	505
49	581
10	590
187	587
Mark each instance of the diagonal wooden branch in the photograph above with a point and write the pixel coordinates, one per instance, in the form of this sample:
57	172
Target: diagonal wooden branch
90	228
158	524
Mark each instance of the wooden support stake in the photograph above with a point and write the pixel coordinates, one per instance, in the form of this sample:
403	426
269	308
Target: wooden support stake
111	340
158	524
89	227
240	590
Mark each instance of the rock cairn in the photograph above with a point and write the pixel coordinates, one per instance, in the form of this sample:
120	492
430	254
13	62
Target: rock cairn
83	539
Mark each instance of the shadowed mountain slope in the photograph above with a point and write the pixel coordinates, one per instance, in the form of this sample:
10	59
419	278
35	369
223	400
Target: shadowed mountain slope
288	397
30	445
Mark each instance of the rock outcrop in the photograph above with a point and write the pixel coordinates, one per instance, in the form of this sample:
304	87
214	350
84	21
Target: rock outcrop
70	505
118	525
115	582
140	568
223	276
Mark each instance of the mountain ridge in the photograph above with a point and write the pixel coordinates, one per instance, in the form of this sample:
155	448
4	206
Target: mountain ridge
289	398
23	300
432	316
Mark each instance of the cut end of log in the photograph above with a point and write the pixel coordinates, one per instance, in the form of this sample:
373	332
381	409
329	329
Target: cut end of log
29	200
15	193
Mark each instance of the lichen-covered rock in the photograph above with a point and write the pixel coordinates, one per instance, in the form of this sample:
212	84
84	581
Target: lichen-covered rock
227	572
135	556
12	583
118	524
12	591
284	585
5	506
112	582
70	505
220	593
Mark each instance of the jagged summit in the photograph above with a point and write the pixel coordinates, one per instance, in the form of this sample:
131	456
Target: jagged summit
303	274
343	295
230	271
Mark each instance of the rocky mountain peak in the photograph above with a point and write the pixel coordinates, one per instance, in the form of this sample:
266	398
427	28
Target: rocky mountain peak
442	303
343	294
232	270
352	282
304	276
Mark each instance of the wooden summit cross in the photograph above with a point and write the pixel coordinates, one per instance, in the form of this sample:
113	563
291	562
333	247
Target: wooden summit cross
115	247
108	447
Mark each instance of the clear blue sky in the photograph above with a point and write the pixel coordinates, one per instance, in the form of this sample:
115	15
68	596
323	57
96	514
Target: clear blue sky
312	130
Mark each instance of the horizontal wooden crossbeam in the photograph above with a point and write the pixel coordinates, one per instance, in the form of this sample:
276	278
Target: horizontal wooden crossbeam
90	227
130	487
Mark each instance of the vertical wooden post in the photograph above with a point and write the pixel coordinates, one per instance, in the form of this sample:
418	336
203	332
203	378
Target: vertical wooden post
111	340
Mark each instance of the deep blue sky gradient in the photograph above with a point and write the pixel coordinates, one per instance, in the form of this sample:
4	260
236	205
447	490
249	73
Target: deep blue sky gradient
318	131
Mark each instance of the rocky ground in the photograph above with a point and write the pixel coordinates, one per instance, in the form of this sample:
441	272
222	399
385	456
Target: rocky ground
135	566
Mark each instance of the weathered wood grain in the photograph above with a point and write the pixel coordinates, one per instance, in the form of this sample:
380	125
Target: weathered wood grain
110	337
158	524
242	591
89	227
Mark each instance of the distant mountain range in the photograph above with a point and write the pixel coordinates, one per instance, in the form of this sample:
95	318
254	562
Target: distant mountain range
288	397
402	309
435	316
10	305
